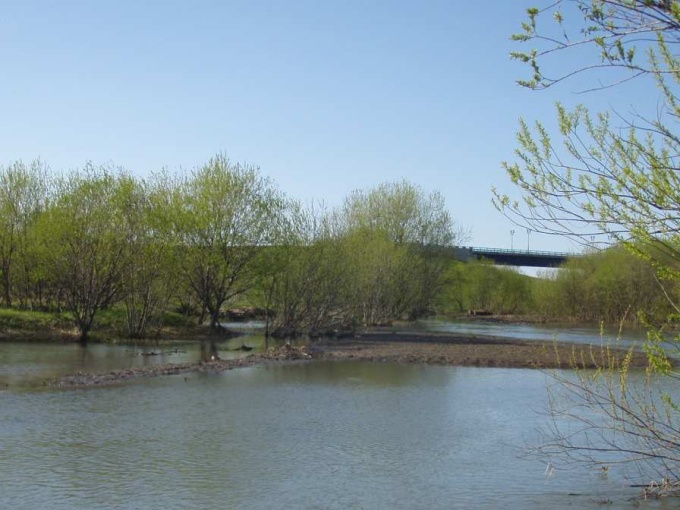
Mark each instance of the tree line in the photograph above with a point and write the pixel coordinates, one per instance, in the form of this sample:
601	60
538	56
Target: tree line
611	285
99	237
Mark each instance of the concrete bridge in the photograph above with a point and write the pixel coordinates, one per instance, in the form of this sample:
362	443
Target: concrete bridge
512	257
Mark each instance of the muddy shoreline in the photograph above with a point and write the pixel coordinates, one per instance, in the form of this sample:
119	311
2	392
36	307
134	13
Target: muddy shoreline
448	349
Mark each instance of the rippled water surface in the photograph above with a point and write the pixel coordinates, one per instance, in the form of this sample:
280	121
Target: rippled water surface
314	435
318	435
33	363
563	333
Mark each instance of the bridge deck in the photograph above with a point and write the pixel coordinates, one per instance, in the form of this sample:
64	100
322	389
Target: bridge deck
514	257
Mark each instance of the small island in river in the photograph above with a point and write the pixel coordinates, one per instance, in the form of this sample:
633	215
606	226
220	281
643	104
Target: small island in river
411	347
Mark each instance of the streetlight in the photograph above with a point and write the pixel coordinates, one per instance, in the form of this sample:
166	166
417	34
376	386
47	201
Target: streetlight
512	234
528	237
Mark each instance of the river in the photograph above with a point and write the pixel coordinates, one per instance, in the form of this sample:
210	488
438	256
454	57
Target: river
308	435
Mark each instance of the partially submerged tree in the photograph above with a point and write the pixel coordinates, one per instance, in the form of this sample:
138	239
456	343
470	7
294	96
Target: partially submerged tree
305	284
618	180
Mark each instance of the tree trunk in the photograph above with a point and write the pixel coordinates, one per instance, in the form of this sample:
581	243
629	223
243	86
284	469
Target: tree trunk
215	320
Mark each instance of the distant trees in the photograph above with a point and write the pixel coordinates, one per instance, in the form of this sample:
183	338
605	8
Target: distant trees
368	262
223	235
99	237
608	286
611	286
479	285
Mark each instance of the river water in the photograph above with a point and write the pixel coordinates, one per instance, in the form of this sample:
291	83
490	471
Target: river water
309	435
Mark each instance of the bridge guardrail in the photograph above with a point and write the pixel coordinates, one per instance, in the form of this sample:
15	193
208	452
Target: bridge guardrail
501	251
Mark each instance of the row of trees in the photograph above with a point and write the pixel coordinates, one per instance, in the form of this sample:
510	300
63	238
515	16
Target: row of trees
480	285
368	262
610	285
99	237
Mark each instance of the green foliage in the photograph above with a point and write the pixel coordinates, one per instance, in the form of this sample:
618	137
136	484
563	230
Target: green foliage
225	215
613	183
307	279
114	251
483	286
611	286
150	268
403	212
369	262
83	240
23	195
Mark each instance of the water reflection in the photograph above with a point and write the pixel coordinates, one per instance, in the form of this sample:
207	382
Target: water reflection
322	435
28	364
358	375
31	363
563	333
309	435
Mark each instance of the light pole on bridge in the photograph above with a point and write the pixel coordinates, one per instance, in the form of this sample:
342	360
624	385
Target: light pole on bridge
528	237
512	235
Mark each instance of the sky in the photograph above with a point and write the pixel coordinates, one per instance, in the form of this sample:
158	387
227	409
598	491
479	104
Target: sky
323	96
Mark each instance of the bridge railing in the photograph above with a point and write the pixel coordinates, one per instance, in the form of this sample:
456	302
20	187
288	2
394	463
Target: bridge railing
501	251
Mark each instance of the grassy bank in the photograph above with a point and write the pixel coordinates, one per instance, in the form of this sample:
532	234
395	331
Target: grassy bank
32	325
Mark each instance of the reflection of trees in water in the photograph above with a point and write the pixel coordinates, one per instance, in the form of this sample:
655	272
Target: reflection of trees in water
85	355
363	373
209	350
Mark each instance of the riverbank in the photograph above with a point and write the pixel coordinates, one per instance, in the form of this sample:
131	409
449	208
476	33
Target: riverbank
390	346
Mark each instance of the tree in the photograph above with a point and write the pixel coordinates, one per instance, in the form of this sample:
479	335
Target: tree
383	283
149	274
306	278
617	182
84	243
615	179
371	261
418	225
404	212
606	286
479	285
23	192
225	215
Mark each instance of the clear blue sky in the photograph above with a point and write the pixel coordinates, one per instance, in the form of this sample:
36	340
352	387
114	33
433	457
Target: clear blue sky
324	96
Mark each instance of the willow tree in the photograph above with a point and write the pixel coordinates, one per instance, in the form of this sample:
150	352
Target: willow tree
227	214
23	194
418	225
370	261
150	265
404	212
84	243
306	277
613	177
